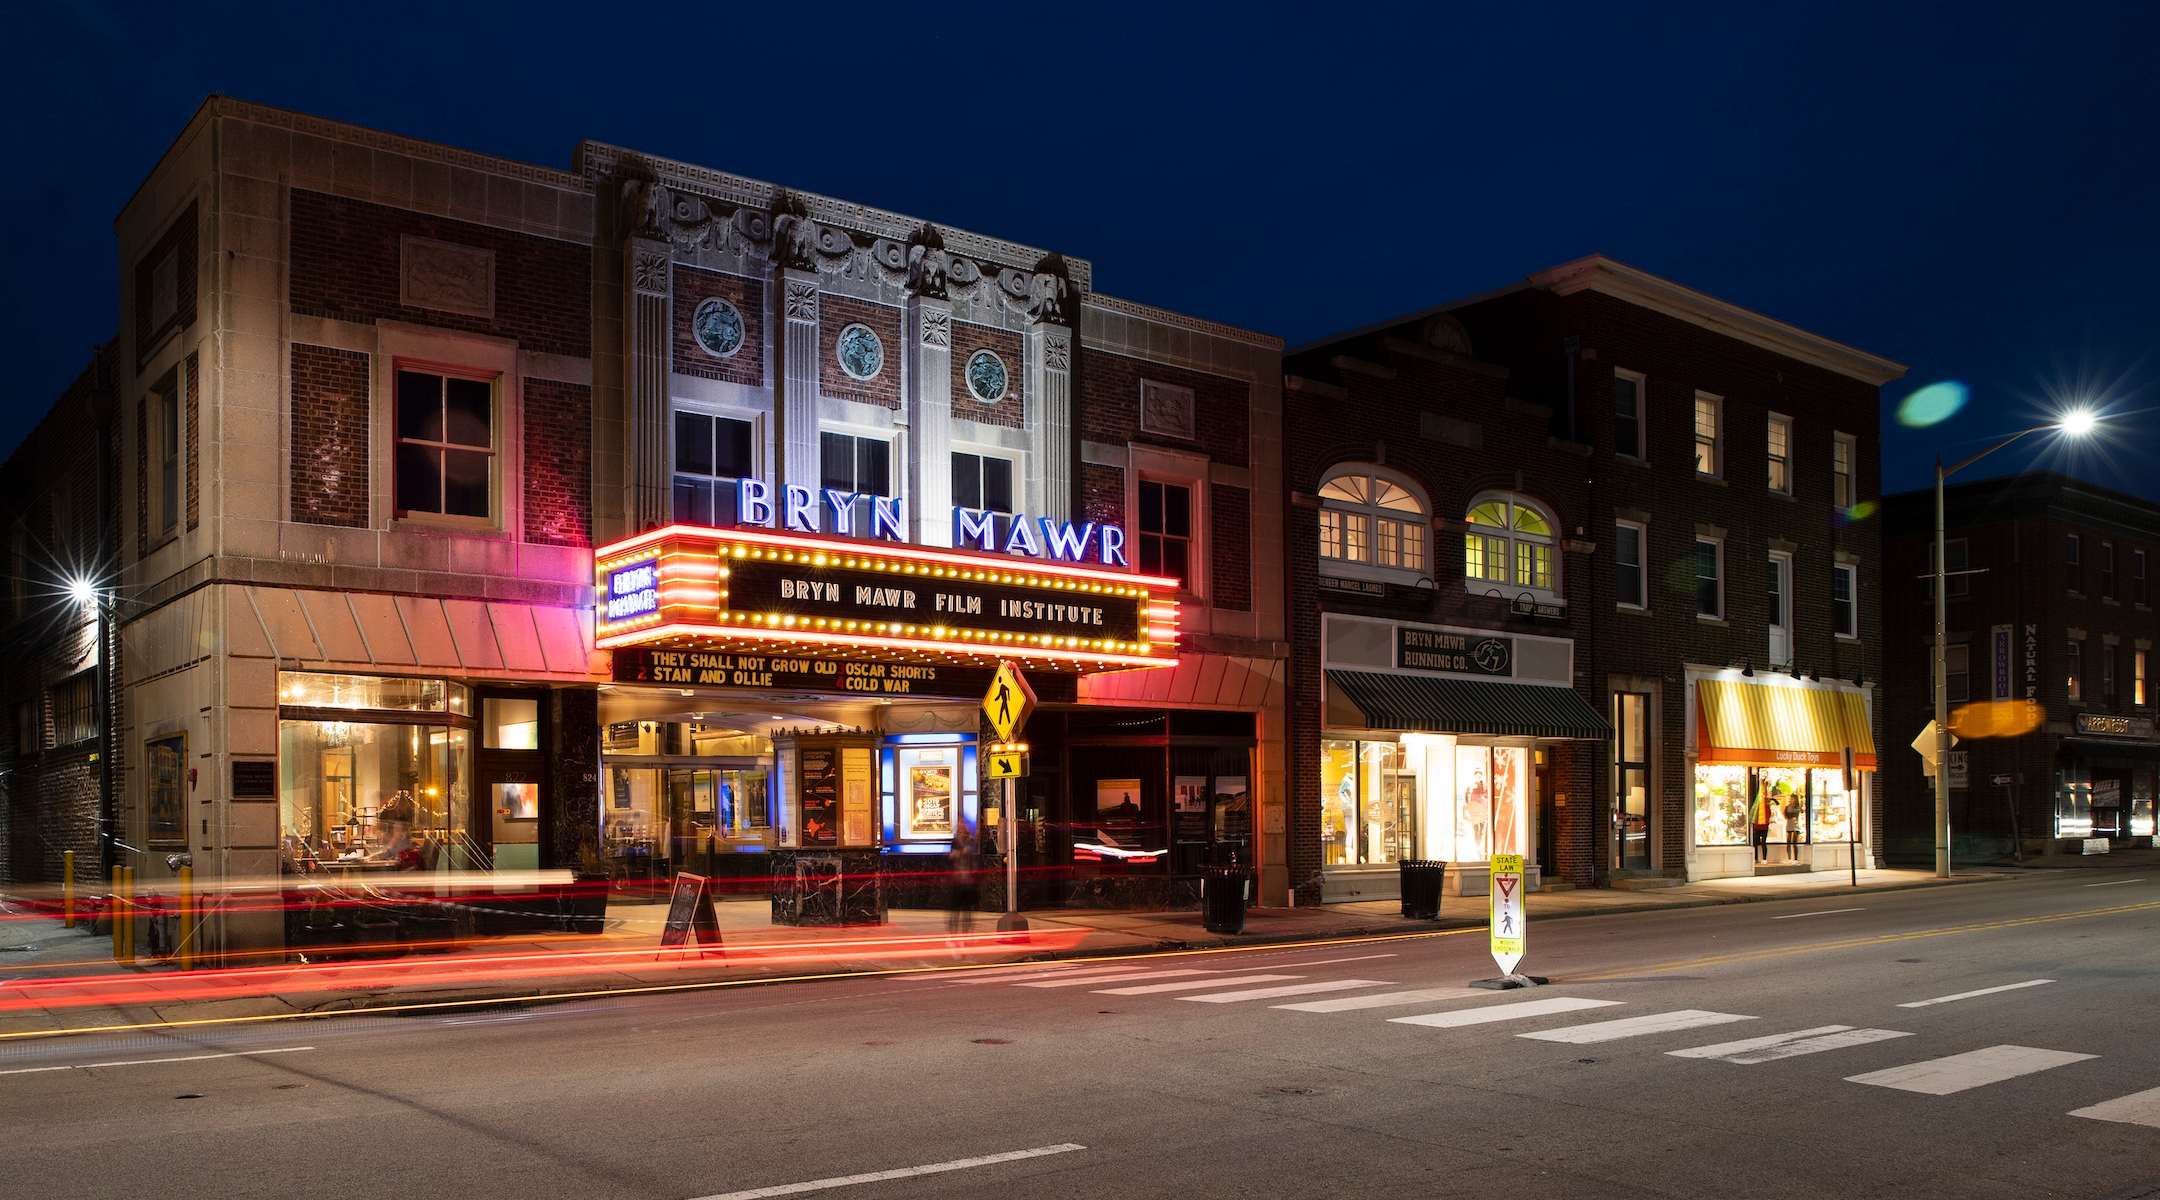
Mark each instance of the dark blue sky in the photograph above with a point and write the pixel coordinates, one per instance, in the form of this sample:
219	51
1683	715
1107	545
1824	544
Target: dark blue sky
1969	189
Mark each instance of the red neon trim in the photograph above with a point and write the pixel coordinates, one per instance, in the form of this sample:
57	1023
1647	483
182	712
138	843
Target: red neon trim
947	648
905	551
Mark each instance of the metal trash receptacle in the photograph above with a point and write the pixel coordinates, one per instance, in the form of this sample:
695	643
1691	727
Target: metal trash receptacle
1224	893
1421	883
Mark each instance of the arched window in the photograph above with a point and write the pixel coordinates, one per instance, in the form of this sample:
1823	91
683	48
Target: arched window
1372	516
1509	546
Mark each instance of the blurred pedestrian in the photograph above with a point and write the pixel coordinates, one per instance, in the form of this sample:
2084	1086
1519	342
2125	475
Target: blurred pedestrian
963	887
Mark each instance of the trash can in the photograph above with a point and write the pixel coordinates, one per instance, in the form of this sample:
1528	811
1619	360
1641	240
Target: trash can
1421	880
1224	892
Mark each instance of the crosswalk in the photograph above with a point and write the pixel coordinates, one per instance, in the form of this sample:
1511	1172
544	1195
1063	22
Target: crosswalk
1473	1008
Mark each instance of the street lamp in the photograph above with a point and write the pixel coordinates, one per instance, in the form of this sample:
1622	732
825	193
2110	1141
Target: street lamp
2076	424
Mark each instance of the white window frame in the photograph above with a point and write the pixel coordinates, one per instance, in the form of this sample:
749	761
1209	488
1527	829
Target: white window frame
1952	653
1640	451
1851	473
1783	562
498	450
1369	566
1557	593
1717	435
1641	567
1696	575
1851	573
1776	422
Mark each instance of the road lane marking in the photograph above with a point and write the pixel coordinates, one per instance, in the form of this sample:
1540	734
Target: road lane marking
1502	1012
1878	939
958	1164
2114	883
1789	1045
144	1062
2142	1108
1828	912
1325	961
1388	999
1627	1027
1293	989
1113	977
2008	987
1975	1068
1150	989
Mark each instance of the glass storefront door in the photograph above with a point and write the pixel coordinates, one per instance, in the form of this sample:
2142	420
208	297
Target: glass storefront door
1631	777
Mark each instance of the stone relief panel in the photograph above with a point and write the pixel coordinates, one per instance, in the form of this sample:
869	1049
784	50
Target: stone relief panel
1166	409
447	277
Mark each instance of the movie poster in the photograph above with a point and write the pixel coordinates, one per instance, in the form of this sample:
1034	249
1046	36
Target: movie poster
1189	803
927	807
820	798
1233	809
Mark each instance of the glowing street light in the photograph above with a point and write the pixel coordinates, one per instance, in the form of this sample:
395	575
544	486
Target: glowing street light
2076	423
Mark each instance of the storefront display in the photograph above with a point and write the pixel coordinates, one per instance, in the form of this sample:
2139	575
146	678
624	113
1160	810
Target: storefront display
392	794
1721	806
1369	803
1781	751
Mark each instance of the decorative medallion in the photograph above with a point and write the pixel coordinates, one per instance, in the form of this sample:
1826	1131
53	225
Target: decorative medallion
986	376
860	352
649	273
1057	352
936	328
718	326
801	300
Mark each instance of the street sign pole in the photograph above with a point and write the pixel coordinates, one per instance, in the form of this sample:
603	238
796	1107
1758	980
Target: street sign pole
1506	912
1007	705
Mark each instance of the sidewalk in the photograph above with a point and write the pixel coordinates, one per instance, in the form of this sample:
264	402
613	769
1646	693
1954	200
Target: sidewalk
54	980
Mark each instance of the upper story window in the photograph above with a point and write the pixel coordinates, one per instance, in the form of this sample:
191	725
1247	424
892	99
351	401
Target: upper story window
2074	670
849	463
2074	562
1166	531
1779	448
1627	414
708	449
1845	600
1628	583
1957	561
2107	569
1957	673
983	482
168	449
2137	578
1709	578
1709	454
445	445
1844	453
1510	544
1369	516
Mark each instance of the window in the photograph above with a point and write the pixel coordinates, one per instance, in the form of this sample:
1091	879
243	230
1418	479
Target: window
1367	517
445	445
1957	557
2070	560
1844	453
1708	460
2107	569
2107	674
2074	672
1780	451
1627	414
982	481
1709	584
2138	695
1166	531
168	409
1510	542
165	799
1628	589
509	724
1957	673
74	708
2137	578
709	448
1780	597
851	464
27	732
1845	600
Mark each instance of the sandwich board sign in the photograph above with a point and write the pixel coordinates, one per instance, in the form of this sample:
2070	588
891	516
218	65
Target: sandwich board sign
1506	911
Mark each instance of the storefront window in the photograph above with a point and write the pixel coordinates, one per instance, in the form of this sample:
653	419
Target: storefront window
2073	802
1832	806
1338	802
2141	798
388	796
1368	803
1721	805
1786	790
1511	800
315	689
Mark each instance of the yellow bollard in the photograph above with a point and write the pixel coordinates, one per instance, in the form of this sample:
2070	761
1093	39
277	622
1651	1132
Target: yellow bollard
112	912
67	889
187	918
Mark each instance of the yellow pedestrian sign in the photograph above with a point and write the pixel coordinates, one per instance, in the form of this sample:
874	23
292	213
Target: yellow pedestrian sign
1008	702
1507	911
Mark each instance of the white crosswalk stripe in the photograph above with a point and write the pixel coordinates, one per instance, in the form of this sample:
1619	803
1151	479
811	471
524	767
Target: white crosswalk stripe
1113	977
1789	1045
1150	989
1974	1068
1291	989
1387	1000
1627	1027
2140	1108
1502	1012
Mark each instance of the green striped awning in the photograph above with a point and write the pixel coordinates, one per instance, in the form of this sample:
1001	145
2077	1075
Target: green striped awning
1444	705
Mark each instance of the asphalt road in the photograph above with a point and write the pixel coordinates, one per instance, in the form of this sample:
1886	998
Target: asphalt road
1817	1078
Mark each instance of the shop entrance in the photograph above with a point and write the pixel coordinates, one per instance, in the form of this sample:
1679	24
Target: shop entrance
1631	778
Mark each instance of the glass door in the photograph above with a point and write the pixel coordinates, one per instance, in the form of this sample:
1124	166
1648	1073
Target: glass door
1631	776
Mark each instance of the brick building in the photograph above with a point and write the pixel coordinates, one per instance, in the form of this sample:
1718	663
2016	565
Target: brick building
1633	491
2050	639
378	401
58	536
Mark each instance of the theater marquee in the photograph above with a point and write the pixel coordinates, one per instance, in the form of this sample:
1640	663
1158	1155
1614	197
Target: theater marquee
751	594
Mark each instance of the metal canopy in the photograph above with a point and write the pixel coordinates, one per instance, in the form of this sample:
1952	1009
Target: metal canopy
1409	702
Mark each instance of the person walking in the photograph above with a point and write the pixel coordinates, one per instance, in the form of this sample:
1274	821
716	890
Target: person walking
963	890
1792	827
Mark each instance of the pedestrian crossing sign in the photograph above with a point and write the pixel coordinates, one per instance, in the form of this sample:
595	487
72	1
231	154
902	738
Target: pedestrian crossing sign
1506	909
1008	702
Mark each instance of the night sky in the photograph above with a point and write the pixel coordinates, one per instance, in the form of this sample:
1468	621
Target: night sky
1969	189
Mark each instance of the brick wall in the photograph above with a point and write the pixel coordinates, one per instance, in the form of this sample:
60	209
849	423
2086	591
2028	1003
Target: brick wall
1230	547
347	263
1102	494
968	338
329	443
1109	408
558	463
836	313
694	285
180	240
193	418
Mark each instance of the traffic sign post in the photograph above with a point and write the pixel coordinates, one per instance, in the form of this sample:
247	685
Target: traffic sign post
1506	912
1007	705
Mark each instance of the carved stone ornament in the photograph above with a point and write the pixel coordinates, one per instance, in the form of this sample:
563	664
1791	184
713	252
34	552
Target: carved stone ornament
801	302
1444	332
644	202
753	224
649	273
448	277
962	271
928	266
1057	352
936	328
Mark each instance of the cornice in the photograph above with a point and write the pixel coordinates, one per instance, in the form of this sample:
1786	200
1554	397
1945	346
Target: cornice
1607	277
376	139
1147	312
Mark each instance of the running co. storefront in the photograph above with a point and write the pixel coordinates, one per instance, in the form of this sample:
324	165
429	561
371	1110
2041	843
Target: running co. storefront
1440	742
1781	770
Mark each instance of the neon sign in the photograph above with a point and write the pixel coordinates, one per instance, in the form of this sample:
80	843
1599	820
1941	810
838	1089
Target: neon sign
633	591
799	509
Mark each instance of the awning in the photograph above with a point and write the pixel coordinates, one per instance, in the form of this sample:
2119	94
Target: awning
1768	725
1441	705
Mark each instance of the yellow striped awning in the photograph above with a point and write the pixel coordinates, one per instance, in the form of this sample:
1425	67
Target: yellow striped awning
1768	725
